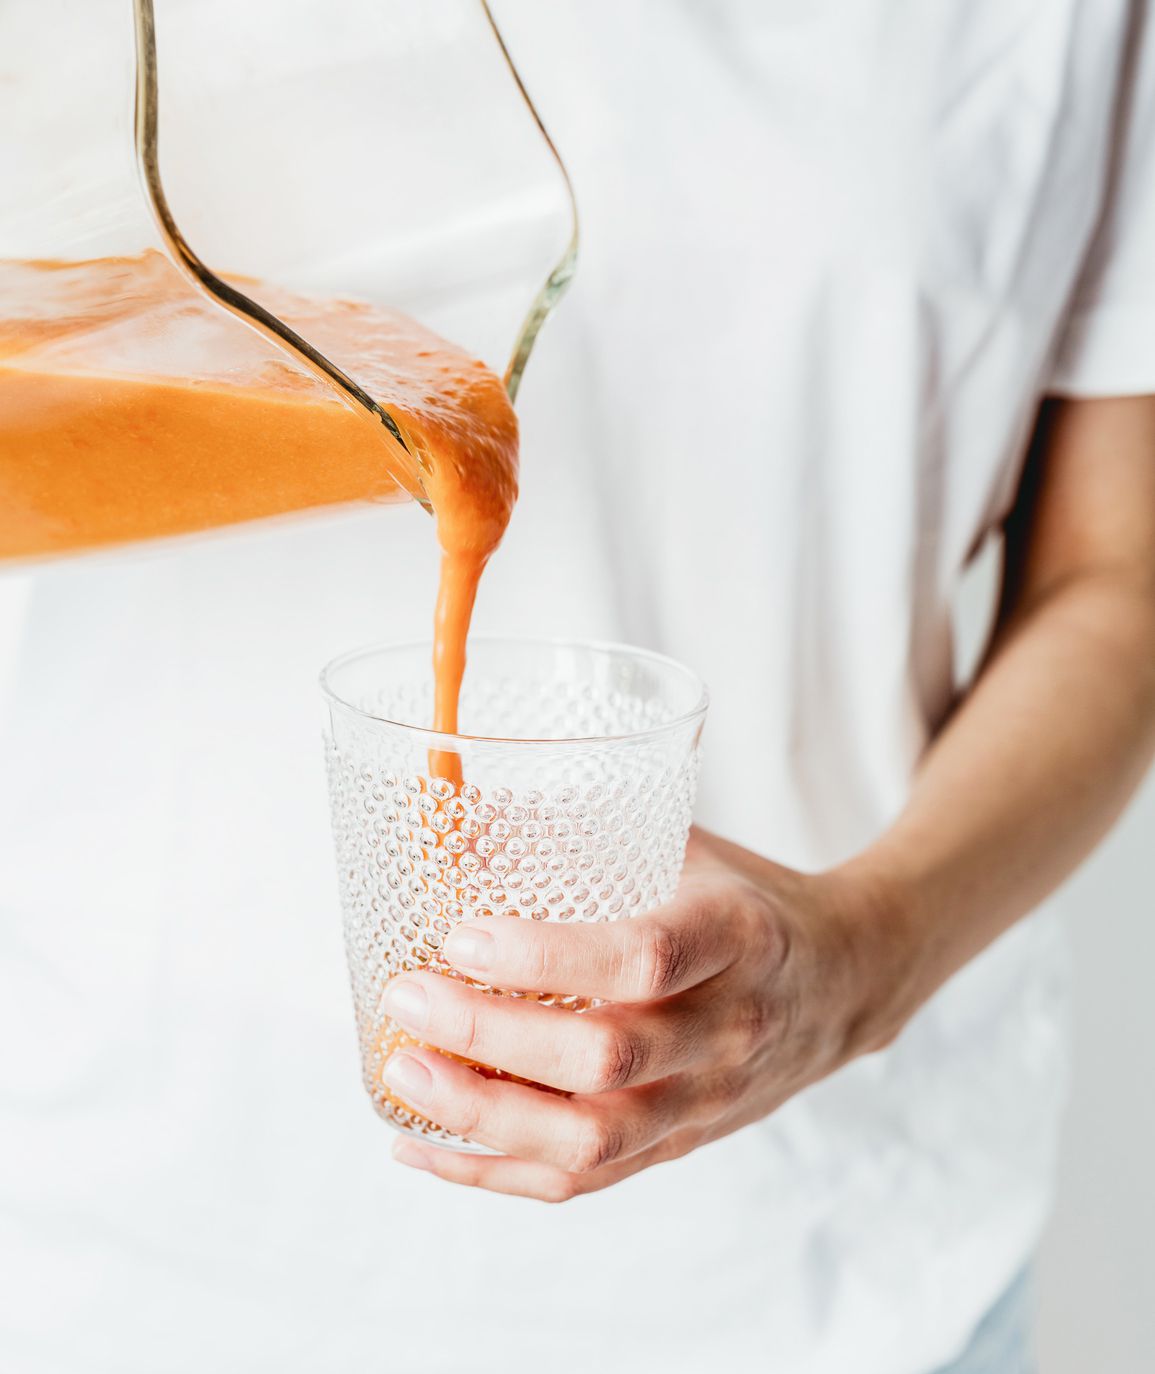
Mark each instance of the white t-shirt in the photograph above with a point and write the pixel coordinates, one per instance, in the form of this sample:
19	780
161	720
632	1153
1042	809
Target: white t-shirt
829	255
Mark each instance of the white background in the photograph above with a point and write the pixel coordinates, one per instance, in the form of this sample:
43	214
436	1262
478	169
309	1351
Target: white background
1098	1265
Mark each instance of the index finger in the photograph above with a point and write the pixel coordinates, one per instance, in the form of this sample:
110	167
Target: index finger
638	959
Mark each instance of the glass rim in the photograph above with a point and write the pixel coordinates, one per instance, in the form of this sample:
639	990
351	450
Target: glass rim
437	738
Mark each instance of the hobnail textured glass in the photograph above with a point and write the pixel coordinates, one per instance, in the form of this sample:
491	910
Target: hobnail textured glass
578	765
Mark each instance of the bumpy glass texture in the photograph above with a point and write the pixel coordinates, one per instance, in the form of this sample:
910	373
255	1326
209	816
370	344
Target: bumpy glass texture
545	826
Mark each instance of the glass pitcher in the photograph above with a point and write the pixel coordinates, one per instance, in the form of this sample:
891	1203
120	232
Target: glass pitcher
206	208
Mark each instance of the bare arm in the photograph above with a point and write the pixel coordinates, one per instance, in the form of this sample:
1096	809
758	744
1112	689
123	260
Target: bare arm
757	980
1060	725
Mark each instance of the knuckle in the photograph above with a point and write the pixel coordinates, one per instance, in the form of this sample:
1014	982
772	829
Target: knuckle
754	1029
466	1114
662	960
764	936
465	1032
872	1037
595	1145
617	1060
470	1174
720	1091
562	1189
539	959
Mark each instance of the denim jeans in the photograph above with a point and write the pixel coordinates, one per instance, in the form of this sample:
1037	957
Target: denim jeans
1002	1342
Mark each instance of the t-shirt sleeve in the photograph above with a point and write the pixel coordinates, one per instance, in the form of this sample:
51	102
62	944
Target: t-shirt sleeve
1108	344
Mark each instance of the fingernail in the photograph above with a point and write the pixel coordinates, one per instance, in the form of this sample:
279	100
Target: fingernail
407	1002
471	949
410	1153
409	1078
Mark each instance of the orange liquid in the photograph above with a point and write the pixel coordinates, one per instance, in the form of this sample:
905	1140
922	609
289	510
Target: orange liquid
131	407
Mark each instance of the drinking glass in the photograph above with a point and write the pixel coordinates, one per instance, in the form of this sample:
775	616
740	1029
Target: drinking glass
578	765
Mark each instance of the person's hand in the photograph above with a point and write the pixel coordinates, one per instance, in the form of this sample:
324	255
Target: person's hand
752	983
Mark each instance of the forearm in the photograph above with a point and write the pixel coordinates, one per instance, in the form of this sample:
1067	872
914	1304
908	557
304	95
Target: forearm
1025	779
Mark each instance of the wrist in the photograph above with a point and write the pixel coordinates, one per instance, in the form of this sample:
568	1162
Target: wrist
876	911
